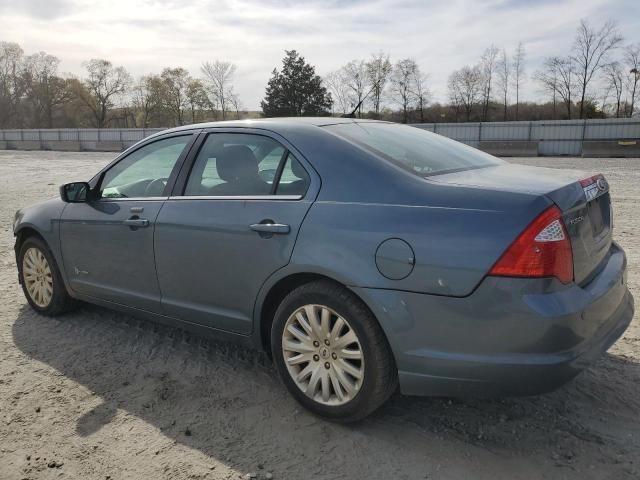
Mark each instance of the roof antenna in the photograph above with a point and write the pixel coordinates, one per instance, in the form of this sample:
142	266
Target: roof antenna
353	113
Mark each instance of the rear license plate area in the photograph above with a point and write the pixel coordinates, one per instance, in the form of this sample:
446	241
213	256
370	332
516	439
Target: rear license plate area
598	212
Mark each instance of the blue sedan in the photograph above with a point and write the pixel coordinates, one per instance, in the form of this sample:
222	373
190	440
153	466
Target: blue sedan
364	257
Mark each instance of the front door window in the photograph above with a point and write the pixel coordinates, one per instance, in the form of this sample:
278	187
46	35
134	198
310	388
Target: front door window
145	172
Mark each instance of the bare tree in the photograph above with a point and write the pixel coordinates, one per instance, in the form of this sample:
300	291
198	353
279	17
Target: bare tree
147	98
103	84
420	91
548	79
11	58
219	78
591	49
234	101
614	77
357	80
566	69
558	75
337	84
402	85
44	89
175	83
605	92
378	71
632	63
504	79
196	97
455	98
465	88
488	64
518	72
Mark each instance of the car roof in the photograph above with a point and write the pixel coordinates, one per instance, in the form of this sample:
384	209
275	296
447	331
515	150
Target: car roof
272	123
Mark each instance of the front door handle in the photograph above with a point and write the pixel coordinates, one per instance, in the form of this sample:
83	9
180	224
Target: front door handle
136	222
270	227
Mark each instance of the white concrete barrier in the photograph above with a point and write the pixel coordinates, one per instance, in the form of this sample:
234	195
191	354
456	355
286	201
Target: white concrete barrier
521	148
24	145
61	145
619	148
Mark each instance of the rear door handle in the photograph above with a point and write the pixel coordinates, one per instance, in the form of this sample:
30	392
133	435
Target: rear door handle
270	227
136	222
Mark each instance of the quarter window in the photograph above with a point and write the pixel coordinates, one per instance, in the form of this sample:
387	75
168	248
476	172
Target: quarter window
145	172
294	179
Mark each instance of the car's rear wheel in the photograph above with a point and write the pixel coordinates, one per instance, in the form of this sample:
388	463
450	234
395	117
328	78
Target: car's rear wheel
41	280
331	352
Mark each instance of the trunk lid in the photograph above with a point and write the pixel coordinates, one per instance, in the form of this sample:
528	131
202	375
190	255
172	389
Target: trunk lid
584	200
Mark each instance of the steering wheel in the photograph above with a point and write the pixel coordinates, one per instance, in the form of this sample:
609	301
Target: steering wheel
155	188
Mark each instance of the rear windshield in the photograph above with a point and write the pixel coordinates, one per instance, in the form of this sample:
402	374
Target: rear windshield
416	150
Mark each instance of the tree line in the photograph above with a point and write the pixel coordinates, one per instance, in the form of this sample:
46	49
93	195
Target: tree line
34	94
596	77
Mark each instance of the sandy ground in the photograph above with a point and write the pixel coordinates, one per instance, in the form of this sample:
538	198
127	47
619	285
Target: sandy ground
100	395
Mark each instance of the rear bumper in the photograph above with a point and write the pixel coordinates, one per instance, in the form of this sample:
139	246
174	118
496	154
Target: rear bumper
510	337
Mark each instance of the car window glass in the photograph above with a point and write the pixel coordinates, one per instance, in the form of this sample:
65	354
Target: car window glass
235	164
294	179
145	172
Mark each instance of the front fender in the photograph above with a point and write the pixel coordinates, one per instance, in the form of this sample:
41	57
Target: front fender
44	219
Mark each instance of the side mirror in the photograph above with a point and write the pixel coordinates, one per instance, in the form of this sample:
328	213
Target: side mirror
76	192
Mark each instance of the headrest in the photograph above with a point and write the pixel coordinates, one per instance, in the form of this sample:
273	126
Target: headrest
236	162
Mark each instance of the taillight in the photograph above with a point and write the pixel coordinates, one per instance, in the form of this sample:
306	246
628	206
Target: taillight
585	182
543	249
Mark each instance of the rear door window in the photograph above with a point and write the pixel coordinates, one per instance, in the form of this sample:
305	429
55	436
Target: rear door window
245	165
231	164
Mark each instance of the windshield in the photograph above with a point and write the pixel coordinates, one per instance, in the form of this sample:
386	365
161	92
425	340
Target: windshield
416	150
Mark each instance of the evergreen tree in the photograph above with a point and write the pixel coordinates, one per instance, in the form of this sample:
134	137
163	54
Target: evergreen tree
296	90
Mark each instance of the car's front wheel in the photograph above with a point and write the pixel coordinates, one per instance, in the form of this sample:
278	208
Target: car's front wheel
331	352
41	280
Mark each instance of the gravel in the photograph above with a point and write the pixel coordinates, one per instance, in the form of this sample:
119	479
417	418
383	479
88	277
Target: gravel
115	393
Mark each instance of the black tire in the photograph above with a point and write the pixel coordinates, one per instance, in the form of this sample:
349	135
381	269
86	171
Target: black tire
380	378
60	301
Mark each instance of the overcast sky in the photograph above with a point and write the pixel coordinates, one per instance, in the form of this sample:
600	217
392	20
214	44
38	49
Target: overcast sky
441	35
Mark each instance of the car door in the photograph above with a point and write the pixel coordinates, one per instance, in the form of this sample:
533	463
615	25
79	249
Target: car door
107	242
230	227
